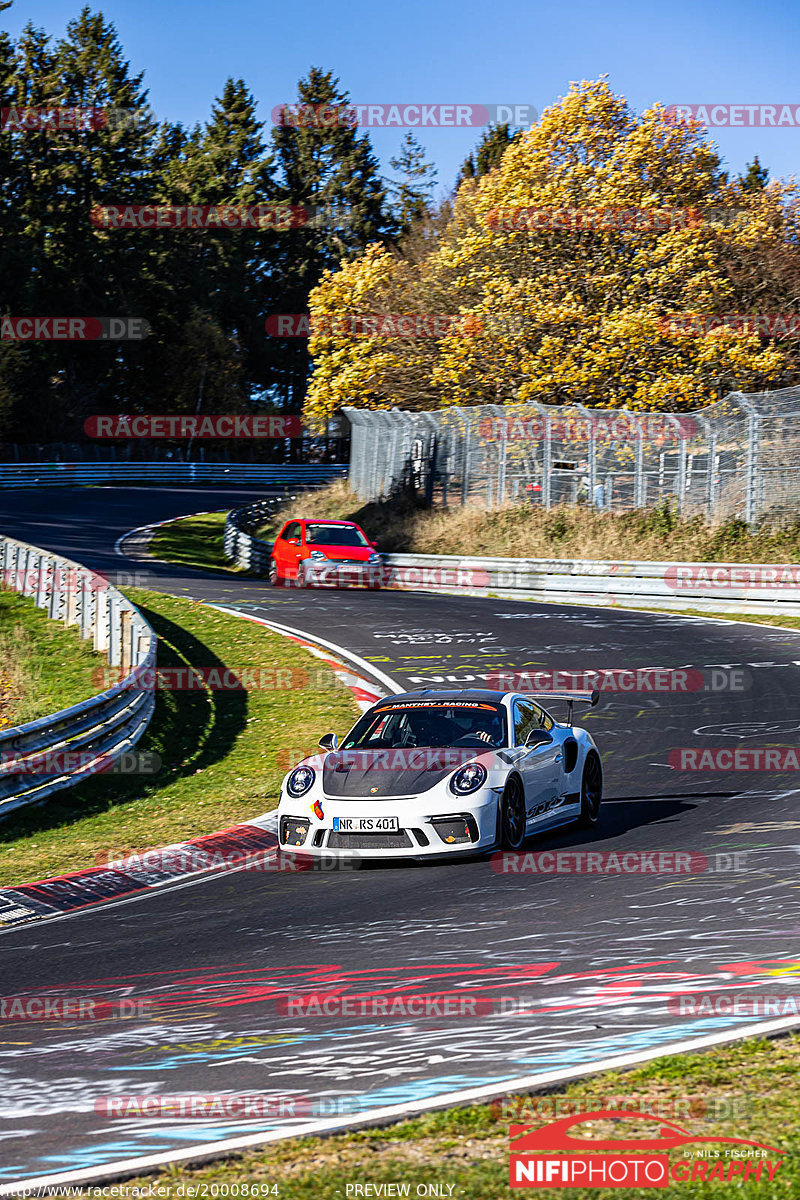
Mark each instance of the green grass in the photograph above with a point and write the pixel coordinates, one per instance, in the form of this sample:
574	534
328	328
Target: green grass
748	1090
49	666
757	619
193	542
218	749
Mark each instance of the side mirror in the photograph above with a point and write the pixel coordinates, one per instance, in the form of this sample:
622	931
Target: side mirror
374	545
294	541
595	697
329	741
538	737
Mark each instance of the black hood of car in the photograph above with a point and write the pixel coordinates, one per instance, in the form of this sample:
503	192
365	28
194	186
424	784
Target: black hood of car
407	772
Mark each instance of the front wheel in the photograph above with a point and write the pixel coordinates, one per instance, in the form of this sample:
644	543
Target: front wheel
512	816
591	792
272	574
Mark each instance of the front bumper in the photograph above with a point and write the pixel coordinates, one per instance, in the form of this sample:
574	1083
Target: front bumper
342	573
425	825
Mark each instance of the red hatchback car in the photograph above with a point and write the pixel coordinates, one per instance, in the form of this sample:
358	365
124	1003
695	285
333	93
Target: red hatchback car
315	552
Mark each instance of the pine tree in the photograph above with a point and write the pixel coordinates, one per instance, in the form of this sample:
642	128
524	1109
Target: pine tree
756	178
227	163
60	264
487	153
413	193
331	171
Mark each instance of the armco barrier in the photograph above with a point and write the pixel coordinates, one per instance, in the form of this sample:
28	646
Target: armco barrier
241	546
35	758
78	474
709	587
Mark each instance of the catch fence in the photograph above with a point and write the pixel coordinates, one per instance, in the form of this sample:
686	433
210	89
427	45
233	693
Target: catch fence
739	457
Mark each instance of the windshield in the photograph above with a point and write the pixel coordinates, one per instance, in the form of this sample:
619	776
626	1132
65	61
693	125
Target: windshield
334	535
470	723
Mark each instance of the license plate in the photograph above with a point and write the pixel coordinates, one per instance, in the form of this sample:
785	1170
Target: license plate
366	824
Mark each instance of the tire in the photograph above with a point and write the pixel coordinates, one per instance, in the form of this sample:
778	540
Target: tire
272	573
511	816
591	791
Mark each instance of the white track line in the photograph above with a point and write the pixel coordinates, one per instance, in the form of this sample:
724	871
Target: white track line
334	647
397	1112
156	525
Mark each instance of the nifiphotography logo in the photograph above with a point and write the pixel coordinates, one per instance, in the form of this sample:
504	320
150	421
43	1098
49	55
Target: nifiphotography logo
641	1162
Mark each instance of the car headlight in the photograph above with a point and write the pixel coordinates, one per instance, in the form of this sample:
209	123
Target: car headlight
300	780
318	557
468	779
374	558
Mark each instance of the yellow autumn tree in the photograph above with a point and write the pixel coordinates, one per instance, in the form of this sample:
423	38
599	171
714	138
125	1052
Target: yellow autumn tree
565	310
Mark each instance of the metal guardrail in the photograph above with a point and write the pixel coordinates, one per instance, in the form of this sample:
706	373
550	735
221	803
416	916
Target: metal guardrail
66	747
240	544
76	474
709	587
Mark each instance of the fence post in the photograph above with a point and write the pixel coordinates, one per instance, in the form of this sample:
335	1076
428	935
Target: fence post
548	462
72	607
502	466
751	457
638	476
467	426
87	605
125	640
592	451
711	443
751	502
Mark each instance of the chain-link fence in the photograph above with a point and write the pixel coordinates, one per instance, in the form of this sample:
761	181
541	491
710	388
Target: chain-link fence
739	457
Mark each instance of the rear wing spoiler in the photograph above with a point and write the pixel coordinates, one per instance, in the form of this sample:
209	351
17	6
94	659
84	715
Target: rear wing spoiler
582	696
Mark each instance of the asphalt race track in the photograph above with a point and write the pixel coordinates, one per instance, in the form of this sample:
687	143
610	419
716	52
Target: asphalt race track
597	957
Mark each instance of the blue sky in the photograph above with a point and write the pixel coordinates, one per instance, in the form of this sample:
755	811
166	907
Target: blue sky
471	51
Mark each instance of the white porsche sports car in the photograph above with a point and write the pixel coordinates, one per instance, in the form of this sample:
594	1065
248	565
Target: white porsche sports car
440	772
